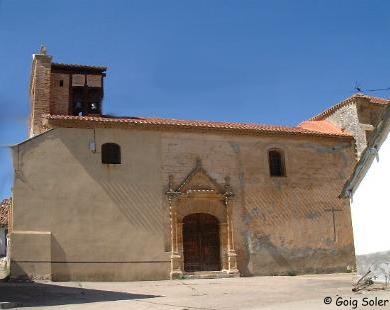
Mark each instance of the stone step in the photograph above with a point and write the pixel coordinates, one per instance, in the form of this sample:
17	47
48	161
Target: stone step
209	275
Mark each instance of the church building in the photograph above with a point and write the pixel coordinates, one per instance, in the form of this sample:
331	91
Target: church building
104	198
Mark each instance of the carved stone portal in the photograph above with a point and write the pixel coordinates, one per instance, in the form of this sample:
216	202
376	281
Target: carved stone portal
199	193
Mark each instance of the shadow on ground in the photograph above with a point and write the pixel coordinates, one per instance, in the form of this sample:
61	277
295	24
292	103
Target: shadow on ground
42	294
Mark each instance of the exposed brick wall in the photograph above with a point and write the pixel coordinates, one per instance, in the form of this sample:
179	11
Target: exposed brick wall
59	95
39	92
281	224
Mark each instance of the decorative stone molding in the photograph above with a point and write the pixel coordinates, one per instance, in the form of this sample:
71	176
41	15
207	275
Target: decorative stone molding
199	193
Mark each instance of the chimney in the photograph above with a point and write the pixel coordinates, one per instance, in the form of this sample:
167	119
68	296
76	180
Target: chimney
39	90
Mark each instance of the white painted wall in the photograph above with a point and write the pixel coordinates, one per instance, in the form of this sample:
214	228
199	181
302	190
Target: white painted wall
371	206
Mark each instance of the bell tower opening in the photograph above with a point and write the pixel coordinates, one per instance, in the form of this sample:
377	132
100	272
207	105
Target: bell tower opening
85	88
86	93
63	89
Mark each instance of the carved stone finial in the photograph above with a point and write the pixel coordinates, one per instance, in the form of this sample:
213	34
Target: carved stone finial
42	50
198	162
228	190
171	183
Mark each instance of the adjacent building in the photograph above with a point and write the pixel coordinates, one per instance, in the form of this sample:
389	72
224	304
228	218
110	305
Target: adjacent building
367	190
5	207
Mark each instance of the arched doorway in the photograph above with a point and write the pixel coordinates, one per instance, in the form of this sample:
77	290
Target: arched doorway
202	234
201	244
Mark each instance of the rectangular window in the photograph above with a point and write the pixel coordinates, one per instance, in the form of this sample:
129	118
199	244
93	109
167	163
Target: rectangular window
276	163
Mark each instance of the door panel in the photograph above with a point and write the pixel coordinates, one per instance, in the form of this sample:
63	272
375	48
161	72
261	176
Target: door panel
201	243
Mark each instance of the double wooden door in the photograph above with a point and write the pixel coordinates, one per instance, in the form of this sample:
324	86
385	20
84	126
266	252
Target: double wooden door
201	243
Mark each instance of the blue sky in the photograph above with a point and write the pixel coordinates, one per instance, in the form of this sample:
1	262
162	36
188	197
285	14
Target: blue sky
275	62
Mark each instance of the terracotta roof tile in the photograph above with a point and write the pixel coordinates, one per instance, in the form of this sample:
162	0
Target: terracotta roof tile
321	126
331	110
5	206
79	67
378	100
110	121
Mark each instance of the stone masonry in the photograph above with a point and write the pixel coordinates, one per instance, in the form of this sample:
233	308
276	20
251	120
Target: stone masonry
357	115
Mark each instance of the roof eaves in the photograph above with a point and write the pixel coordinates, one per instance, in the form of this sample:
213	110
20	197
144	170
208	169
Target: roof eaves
78	66
31	138
56	120
349	100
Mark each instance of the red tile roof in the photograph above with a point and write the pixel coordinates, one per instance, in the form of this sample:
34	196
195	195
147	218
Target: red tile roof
321	126
149	122
5	207
378	100
78	67
331	110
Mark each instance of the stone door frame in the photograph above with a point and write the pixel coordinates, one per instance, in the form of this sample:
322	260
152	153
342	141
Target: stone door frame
199	193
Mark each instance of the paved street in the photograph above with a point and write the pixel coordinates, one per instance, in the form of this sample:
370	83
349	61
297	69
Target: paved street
300	292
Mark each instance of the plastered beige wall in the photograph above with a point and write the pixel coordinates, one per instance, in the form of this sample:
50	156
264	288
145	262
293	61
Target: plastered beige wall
112	222
95	213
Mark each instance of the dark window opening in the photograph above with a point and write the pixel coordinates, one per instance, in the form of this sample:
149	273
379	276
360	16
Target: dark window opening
86	100
61	83
111	153
93	100
78	101
276	163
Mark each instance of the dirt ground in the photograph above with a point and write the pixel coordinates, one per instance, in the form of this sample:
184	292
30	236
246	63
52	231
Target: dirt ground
299	292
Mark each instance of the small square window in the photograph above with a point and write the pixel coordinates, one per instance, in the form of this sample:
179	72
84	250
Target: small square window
111	153
61	83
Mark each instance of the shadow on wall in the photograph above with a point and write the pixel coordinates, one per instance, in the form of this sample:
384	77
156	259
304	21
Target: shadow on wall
130	200
59	272
39	294
136	202
264	243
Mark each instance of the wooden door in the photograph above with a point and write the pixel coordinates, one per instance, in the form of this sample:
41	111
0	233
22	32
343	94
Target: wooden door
201	243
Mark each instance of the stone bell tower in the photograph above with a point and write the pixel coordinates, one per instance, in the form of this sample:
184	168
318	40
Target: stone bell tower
63	89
